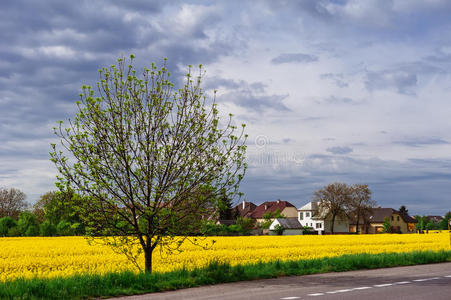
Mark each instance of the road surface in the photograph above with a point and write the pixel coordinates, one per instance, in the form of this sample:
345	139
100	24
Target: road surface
431	282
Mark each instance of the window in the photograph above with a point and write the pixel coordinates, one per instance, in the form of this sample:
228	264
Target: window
301	215
307	214
392	218
397	218
318	225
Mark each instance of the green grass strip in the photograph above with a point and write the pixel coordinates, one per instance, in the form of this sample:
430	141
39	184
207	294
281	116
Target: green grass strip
128	283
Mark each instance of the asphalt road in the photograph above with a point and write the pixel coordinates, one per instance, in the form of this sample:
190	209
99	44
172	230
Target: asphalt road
431	282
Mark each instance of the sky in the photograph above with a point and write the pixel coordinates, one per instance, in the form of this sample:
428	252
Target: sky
330	90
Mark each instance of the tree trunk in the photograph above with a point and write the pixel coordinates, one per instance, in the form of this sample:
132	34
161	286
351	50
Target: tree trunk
332	225
357	223
148	259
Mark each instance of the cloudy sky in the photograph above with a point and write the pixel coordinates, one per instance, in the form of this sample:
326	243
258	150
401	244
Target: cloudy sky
357	91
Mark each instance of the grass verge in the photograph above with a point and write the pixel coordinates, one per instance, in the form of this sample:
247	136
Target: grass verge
128	283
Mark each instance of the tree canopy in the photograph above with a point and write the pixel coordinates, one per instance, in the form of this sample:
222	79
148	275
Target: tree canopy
147	159
12	202
360	205
333	200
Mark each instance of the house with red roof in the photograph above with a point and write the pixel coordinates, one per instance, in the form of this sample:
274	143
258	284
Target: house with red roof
244	209
287	209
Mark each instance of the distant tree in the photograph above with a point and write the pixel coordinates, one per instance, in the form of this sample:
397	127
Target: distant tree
386	227
12	202
47	229
420	224
225	207
27	224
140	152
360	204
6	223
56	206
333	200
443	224
245	224
431	226
64	228
403	210
269	218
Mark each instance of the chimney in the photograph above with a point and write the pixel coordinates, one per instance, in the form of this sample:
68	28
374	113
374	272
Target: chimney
244	203
278	201
266	206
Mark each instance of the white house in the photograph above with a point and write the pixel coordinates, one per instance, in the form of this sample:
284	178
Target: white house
307	217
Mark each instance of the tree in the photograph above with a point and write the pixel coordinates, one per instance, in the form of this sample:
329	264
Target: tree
360	204
386	227
269	218
403	210
225	207
27	224
443	224
245	224
333	200
47	229
56	206
421	222
140	155
12	202
6	223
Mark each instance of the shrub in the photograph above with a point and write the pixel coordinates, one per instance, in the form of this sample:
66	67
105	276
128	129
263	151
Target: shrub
278	229
14	231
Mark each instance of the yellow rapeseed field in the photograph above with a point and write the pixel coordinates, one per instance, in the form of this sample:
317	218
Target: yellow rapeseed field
62	256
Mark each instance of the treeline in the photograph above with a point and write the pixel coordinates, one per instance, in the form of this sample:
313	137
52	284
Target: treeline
51	215
433	223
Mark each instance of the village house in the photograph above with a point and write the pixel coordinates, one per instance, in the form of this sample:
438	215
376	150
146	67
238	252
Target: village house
399	223
287	209
291	226
308	216
244	209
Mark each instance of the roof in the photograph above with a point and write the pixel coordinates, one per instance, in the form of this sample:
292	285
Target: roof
379	215
290	223
435	219
226	222
269	206
245	212
310	206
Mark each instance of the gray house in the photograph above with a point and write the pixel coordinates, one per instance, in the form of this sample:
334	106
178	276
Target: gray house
292	226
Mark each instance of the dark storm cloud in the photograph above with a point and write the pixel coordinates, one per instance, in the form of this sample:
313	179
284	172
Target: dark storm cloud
50	48
386	18
393	183
294	58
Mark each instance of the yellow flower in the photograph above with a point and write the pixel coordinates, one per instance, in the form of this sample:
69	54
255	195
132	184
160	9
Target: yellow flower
64	256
